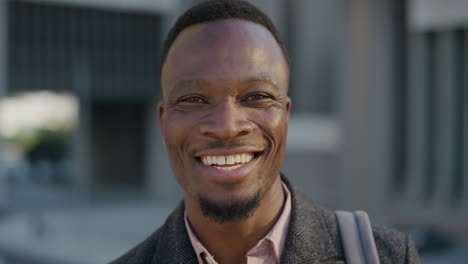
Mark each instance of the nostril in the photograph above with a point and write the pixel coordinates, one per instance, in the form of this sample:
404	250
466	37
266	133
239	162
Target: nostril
224	131
243	133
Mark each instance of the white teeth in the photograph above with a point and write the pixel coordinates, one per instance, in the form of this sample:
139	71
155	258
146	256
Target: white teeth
221	160
229	168
230	160
227	160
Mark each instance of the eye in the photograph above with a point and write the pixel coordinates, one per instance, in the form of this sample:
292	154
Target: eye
193	99
254	97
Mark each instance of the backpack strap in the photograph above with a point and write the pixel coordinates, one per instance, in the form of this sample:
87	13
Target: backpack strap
357	238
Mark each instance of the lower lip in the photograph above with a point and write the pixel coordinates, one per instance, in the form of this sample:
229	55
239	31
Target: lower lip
227	176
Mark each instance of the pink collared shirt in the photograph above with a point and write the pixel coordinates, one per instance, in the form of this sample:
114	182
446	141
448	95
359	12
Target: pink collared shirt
267	250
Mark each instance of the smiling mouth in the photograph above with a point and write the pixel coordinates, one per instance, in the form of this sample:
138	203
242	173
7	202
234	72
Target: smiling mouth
229	162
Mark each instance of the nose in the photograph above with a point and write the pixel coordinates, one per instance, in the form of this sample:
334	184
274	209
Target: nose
226	121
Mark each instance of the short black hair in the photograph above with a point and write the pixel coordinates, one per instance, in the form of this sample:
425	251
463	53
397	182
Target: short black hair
212	10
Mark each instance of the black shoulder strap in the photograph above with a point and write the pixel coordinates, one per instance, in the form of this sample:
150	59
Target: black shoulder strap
356	236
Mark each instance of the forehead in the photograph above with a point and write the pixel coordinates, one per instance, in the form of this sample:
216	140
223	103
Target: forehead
230	49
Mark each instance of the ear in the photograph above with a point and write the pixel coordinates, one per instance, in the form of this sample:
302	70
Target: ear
288	106
161	113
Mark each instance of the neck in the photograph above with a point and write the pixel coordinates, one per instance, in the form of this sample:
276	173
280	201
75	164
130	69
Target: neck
237	237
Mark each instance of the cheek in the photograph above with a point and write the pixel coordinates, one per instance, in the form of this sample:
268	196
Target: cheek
177	129
274	124
275	129
176	125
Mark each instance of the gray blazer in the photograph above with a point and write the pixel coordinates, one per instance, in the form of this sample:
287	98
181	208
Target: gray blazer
312	238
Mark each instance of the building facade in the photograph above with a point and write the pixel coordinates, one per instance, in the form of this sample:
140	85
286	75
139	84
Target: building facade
378	87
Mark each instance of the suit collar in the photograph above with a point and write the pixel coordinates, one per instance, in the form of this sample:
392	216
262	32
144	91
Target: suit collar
308	240
175	245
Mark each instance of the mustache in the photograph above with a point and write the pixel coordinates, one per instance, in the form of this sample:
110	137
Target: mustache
238	143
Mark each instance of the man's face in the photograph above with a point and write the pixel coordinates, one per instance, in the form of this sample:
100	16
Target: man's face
225	111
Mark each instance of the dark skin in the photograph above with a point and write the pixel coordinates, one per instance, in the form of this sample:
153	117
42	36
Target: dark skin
224	89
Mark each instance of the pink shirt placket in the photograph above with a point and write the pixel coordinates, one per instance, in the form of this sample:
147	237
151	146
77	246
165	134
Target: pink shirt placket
267	250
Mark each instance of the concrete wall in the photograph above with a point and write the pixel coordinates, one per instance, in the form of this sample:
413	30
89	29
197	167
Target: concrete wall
151	6
435	14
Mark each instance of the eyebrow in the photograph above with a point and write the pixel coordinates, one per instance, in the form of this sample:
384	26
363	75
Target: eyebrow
261	77
190	82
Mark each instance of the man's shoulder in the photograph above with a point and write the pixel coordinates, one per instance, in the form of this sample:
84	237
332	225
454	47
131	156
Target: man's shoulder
392	245
168	244
143	252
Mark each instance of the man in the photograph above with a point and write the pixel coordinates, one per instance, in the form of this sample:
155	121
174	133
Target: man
224	117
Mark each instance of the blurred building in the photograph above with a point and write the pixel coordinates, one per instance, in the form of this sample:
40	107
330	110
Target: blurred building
379	96
105	53
3	86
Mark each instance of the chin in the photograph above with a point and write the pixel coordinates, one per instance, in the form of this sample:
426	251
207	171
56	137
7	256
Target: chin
229	210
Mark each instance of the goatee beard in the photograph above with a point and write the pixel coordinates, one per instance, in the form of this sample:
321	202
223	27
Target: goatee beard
229	212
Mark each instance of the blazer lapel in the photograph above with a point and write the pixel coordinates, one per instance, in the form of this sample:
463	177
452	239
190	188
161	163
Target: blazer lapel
309	239
175	246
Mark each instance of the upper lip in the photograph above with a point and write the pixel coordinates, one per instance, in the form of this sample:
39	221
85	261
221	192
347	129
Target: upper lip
227	151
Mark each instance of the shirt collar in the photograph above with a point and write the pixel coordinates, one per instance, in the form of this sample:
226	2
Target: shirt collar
278	233
276	236
196	244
